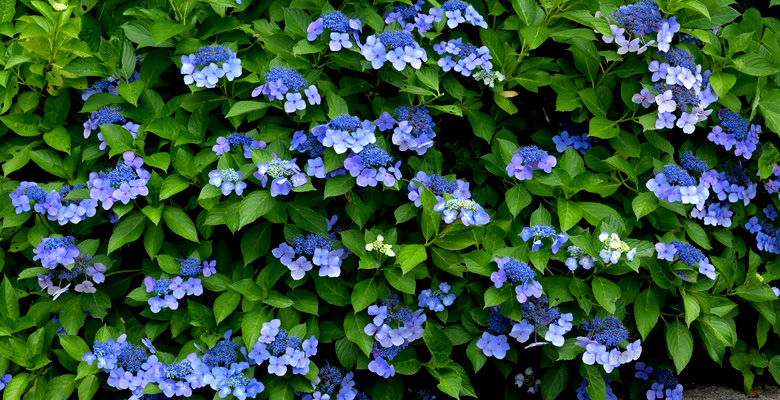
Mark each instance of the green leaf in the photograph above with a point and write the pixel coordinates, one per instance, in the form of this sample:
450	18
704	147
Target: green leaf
769	106
88	387
439	345
429	77
396	279
74	346
243	107
534	36
353	328
697	234
569	214
173	184
602	128
597	388
256	242
254	206
127	230
679	343
225	304
722	82
410	255
200	315
131	91
180	223
333	291
118	138
336	105
644	204
606	293
164	30
9	301
89	66
554	381
60	387
339	185
307	219
364	294
23	124
528	11
646	311
755	64
58	138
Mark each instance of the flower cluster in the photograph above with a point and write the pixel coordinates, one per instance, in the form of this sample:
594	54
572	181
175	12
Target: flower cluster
437	300
122	183
665	387
638	20
675	183
380	246
227	179
582	390
286	84
281	350
458	12
733	184
315	246
108	116
373	165
613	248
4	381
83	264
54	251
493	343
714	213
340	29
526	378
168	291
407	15
602	344
210	63
735	131
537	314
237	140
222	371
54	204
414	131
518	274
393	327
488	78
766	234
680	84
280	170
439	186
467	210
528	159
686	253
577	256
573	136
538	232
345	133
396	47
109	85
464	58
332	383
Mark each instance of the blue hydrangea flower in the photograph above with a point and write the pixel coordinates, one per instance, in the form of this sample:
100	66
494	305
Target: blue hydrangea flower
168	291
735	131
528	159
436	300
458	12
396	47
393	326
674	183
83	267
766	233
715	213
538	232
108	116
464	58
282	350
340	30
406	15
613	248
573	136
602	344
311	249
344	133
733	184
414	131
331	383
231	380
229	180
577	257
109	85
123	183
280	170
53	204
307	143
287	84
520	275
439	185
537	314
634	21
54	251
373	165
468	211
687	254
205	67
241	140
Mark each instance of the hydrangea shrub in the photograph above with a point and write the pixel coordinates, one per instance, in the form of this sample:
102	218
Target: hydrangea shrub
303	199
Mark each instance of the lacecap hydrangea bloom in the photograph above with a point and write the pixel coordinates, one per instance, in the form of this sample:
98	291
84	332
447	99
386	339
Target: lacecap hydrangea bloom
393	326
282	350
340	29
287	84
735	131
380	246
122	183
54	204
493	343
733	184
109	85
680	84
468	211
537	316
168	291
232	380
345	133
528	159
436	300
539	232
766	234
332	384
240	140
665	387
439	186
406	14
312	248
458	12
414	131
613	248
373	165
573	136
519	275
228	180
602	344
83	268
686	253
526	378
396	47
634	21
280	170
464	58
108	116
577	257
675	183
209	64
54	251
